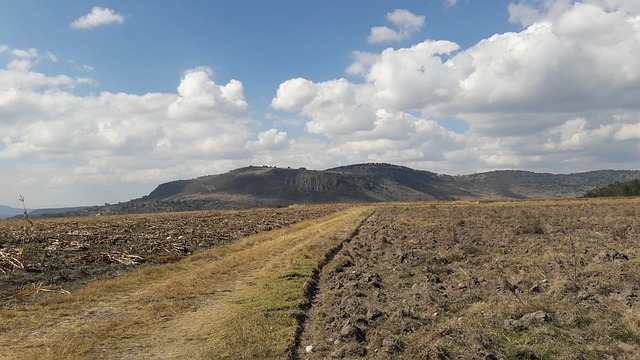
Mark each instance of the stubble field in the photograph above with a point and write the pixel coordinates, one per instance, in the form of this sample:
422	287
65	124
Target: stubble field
58	255
555	279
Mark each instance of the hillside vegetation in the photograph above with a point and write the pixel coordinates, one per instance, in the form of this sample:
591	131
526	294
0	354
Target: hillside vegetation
628	188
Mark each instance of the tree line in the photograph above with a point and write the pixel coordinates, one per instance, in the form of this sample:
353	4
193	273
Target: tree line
627	188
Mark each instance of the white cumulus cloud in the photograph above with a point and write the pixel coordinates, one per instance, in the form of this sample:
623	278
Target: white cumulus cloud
269	140
98	16
54	142
201	97
335	107
559	95
405	24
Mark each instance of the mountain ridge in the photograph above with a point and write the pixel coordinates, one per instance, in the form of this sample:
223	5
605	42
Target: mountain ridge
368	177
7	211
269	186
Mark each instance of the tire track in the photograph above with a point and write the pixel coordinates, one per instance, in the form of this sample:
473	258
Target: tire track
311	288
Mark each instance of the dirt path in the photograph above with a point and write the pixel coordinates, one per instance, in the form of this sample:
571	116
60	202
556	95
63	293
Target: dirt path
530	280
235	301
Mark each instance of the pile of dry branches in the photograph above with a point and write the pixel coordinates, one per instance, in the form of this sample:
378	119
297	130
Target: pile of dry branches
9	263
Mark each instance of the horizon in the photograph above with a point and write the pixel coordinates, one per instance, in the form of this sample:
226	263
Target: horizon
300	168
102	102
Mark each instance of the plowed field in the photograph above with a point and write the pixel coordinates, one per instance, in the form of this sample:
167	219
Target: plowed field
524	280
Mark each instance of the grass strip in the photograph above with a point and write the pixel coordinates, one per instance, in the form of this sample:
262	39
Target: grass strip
238	301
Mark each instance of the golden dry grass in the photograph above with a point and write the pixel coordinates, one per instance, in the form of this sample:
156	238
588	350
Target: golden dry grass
236	301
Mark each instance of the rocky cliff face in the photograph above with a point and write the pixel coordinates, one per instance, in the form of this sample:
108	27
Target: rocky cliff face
312	181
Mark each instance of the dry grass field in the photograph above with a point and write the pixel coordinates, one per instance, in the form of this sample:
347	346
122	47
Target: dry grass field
556	279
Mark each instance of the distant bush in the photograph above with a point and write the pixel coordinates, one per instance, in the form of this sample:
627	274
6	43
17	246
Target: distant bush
628	188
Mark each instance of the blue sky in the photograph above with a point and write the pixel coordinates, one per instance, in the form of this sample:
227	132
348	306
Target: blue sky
102	101
262	43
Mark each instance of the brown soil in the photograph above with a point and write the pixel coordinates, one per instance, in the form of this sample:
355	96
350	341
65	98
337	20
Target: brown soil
525	280
61	255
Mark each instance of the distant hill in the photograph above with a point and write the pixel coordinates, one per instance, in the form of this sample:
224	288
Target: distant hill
261	186
526	184
53	211
8	211
273	186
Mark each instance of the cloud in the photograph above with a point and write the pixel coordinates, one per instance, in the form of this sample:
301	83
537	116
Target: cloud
405	20
528	12
269	140
201	98
18	72
98	16
559	95
59	141
363	60
399	138
558	66
405	23
335	107
294	94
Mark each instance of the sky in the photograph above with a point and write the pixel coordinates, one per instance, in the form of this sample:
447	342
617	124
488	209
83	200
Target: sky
101	101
